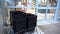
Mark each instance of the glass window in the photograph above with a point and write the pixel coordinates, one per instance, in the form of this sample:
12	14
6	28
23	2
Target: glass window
42	11
34	2
59	14
41	14
9	3
42	3
31	10
52	3
31	3
13	2
20	2
50	14
26	2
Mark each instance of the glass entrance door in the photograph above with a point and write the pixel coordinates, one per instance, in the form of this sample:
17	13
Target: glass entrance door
46	9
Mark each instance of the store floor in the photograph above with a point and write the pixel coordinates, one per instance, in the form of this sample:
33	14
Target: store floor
51	28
